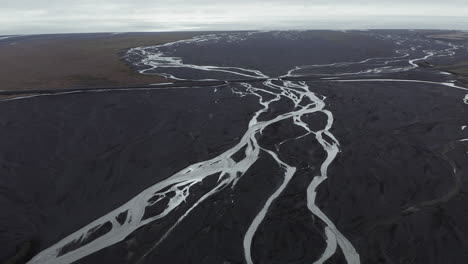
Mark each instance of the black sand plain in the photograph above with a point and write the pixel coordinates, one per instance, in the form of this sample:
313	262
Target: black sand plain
392	191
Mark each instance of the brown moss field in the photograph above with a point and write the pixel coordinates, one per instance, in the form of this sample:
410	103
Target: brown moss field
71	61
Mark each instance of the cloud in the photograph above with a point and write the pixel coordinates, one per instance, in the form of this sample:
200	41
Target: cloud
53	16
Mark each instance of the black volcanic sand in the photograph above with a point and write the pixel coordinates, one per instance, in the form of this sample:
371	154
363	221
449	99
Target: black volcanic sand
392	191
297	48
68	159
399	143
399	148
275	53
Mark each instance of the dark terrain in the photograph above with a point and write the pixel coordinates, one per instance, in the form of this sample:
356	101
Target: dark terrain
396	190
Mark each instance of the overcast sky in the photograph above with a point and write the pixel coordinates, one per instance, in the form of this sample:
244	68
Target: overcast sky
58	16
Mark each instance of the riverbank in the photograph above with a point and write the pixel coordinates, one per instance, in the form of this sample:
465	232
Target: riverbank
75	60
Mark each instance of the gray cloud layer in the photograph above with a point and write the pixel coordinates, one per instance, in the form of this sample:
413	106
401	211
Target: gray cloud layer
53	16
